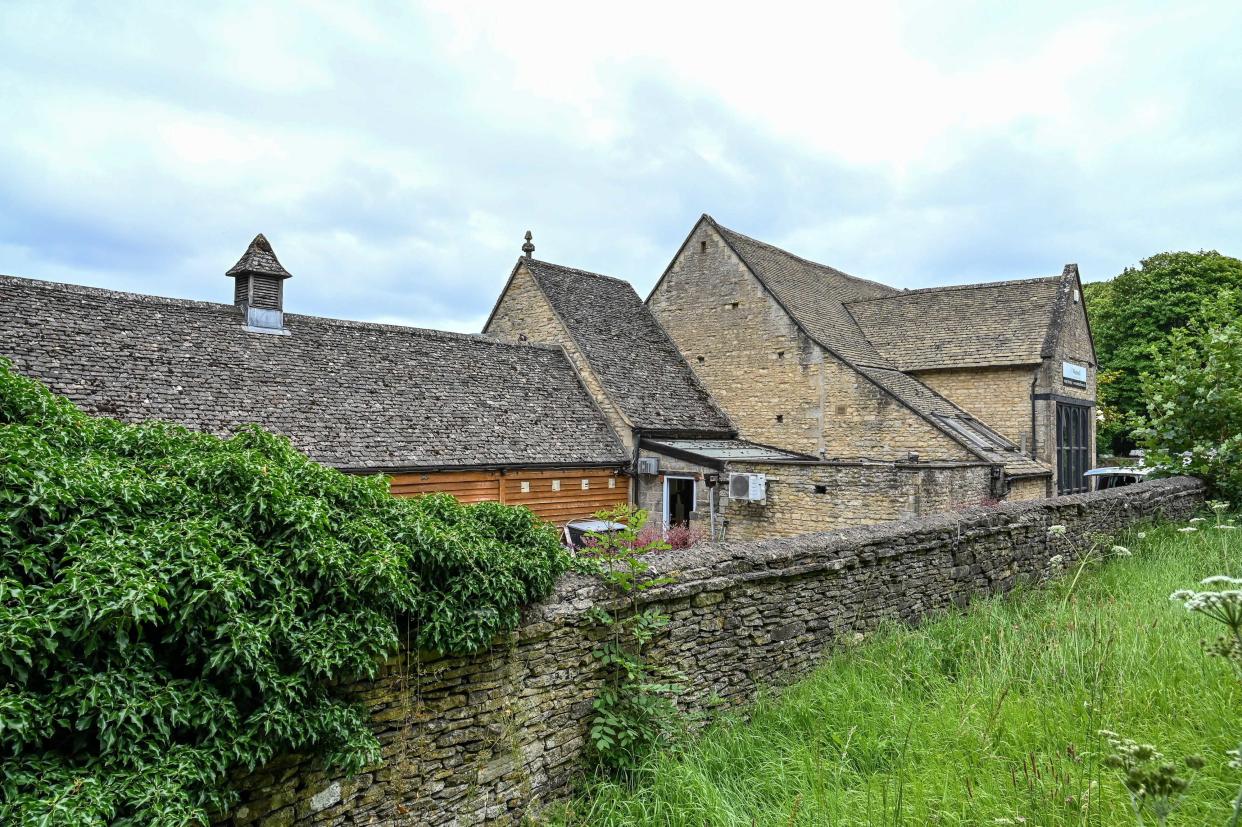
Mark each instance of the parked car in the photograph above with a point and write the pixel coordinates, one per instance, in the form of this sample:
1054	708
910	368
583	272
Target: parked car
1116	476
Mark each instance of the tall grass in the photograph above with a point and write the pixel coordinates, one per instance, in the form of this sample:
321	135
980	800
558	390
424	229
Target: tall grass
983	717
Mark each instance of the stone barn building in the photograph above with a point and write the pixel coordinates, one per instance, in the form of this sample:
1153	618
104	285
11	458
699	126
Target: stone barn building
434	411
715	378
804	356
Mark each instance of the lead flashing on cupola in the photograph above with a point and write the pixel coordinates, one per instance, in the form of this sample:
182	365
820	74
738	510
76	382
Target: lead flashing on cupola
259	288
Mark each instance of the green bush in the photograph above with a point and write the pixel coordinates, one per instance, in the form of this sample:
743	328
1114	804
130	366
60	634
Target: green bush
1194	402
174	606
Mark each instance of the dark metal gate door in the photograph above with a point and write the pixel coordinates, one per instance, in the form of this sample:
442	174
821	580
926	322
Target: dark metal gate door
1073	447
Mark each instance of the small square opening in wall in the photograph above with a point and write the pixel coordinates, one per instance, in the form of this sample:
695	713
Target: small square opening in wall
780	418
556	485
841	409
525	486
702	246
733	305
701	360
612	482
821	489
586	484
780	354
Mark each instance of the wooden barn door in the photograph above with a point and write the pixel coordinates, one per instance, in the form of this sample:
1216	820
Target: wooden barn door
1073	447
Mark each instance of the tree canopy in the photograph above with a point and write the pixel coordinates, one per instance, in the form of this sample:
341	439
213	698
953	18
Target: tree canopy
1194	400
1137	311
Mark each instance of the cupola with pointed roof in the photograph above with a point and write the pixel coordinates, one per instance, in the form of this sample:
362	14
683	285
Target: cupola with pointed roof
259	287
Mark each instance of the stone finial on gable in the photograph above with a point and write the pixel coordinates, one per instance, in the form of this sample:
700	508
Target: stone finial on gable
528	249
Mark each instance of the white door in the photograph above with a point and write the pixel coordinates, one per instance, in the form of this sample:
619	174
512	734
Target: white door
679	494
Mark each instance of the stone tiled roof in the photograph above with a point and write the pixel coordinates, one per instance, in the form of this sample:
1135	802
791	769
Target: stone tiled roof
971	325
814	294
349	394
960	426
866	324
259	258
640	368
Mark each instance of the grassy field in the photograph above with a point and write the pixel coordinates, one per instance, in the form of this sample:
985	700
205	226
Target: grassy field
986	717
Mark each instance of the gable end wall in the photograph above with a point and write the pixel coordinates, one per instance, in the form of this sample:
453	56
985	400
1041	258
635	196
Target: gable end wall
523	309
758	365
1073	344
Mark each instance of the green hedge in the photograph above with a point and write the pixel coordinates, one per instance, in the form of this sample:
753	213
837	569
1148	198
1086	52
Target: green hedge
174	606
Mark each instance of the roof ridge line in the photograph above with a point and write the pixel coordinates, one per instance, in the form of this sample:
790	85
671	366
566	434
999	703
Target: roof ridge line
591	273
104	292
783	251
941	288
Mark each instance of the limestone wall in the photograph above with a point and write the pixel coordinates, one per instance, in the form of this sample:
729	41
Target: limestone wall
488	738
804	498
1000	397
1028	488
759	367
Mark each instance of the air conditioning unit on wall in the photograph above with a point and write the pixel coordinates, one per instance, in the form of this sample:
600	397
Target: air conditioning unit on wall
648	466
748	487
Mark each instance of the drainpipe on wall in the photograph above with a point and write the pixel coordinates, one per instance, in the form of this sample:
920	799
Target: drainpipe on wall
1034	448
712	487
634	479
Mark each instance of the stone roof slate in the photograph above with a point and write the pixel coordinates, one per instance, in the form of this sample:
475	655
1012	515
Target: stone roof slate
814	294
350	394
831	307
970	325
259	258
639	366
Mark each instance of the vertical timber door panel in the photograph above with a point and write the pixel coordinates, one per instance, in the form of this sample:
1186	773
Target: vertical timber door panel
1073	447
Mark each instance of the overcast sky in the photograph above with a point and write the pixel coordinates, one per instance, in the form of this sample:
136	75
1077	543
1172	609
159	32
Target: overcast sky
395	154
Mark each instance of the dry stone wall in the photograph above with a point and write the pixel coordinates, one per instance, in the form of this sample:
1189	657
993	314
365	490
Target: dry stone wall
490	738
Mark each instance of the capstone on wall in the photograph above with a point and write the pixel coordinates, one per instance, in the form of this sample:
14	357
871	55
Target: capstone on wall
490	738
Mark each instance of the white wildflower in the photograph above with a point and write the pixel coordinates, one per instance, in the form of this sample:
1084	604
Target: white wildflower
1186	459
1056	561
1187	529
1121	551
1221	579
1226	527
1235	759
1142	535
1056	530
1219	506
1197	520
